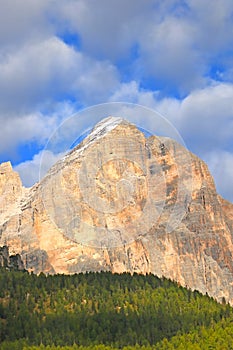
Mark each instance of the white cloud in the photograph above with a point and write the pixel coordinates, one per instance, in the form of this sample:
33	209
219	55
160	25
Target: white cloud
168	55
212	24
23	129
33	127
39	77
35	73
206	118
46	70
106	31
176	41
95	82
23	22
131	92
221	166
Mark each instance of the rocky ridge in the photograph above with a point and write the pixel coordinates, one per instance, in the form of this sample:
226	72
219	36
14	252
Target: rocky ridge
122	202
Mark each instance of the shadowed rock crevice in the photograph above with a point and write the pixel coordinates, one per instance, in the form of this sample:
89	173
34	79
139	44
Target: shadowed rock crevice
13	262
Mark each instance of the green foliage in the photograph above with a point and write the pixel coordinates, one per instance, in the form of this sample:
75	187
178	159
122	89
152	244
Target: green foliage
103	311
218	336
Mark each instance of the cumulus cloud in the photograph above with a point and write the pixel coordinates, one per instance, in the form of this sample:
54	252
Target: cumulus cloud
212	24
175	41
47	70
38	79
206	118
36	128
131	92
168	55
23	22
172	42
221	165
106	31
23	129
180	48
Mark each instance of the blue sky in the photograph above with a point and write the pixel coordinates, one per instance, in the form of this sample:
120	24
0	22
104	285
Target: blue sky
58	57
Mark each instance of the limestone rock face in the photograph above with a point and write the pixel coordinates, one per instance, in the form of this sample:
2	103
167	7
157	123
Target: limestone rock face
119	202
10	262
10	187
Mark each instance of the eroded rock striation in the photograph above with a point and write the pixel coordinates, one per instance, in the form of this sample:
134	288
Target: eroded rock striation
121	201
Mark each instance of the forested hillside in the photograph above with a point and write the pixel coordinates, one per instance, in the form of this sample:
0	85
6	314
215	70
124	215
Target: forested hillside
104	310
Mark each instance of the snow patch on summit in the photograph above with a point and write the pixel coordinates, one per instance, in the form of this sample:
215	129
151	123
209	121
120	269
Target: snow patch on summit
105	126
100	130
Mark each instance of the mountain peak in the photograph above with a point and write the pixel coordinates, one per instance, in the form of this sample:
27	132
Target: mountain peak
120	201
5	167
100	130
105	126
109	123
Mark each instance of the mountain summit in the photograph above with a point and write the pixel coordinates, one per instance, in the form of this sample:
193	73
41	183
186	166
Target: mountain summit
121	201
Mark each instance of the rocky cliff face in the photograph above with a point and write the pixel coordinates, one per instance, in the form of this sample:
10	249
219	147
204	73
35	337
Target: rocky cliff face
123	202
10	261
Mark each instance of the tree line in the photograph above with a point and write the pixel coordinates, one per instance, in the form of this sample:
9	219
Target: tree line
105	310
